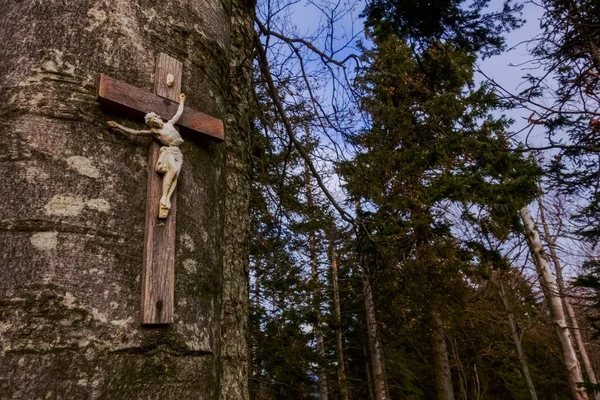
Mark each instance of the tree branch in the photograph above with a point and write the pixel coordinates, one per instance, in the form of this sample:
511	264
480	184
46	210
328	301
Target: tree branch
324	57
264	66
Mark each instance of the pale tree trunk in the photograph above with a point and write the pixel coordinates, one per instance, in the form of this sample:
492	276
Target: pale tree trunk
555	307
517	342
323	389
73	210
342	381
441	365
569	310
377	363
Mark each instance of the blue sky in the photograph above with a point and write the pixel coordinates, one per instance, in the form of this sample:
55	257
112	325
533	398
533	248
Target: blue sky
508	68
499	66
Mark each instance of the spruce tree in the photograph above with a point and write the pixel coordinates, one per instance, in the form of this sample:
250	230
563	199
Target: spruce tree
432	156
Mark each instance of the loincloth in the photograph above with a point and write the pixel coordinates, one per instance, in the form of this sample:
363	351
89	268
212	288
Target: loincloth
170	156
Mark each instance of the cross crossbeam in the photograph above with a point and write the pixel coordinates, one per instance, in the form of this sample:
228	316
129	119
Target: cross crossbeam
137	102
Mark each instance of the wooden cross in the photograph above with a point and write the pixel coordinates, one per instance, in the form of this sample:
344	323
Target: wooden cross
158	273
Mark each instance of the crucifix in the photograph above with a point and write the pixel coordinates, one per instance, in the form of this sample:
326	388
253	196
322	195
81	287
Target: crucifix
165	161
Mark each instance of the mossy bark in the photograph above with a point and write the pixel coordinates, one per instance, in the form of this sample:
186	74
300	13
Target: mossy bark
72	214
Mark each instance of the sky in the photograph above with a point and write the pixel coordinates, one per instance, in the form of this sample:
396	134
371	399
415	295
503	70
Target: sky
508	68
499	67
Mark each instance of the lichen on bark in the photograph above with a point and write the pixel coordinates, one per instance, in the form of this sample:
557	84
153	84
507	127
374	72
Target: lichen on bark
72	220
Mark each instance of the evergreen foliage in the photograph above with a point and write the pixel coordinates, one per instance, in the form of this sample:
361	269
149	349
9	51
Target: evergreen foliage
432	159
437	186
468	25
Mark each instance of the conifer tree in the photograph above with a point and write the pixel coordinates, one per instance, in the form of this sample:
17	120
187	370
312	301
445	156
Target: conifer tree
433	154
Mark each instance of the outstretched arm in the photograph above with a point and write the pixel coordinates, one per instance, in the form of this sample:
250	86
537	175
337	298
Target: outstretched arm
115	125
179	110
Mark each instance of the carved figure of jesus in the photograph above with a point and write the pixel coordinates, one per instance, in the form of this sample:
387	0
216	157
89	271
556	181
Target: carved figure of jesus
170	158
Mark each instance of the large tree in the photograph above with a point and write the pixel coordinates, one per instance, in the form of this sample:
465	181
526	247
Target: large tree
72	218
432	159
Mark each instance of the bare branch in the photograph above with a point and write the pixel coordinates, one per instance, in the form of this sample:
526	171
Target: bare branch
264	64
324	57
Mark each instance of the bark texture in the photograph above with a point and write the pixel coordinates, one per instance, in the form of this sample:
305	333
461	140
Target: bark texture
555	307
441	365
377	362
234	312
72	219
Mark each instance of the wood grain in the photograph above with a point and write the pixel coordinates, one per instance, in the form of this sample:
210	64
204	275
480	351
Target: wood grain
137	102
158	274
166	65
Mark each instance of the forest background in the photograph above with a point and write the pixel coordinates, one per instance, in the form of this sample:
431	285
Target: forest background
408	238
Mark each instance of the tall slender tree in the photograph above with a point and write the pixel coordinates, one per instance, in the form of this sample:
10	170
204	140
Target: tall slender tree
376	351
555	307
316	290
337	317
516	338
568	307
432	148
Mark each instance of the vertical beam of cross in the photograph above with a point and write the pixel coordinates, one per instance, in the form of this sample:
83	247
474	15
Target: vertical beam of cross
158	274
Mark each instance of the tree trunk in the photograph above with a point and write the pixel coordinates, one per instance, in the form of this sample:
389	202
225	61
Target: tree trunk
569	310
235	356
462	379
323	389
368	371
343	383
517	342
555	307
377	363
441	365
72	218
